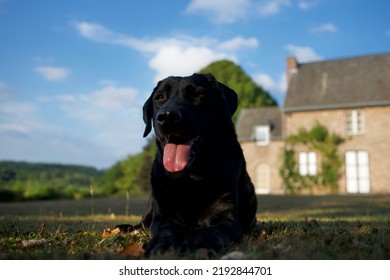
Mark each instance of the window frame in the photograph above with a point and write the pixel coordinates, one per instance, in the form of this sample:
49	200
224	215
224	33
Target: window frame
357	171
263	179
307	163
355	122
266	130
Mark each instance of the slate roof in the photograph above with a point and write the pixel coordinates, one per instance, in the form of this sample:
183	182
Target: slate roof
249	118
343	83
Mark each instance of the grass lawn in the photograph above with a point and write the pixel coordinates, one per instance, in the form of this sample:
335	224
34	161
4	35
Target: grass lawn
289	227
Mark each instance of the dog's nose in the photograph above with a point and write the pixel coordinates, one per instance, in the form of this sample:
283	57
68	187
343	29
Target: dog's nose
168	117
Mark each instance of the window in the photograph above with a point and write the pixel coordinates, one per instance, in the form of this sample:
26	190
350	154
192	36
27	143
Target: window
262	183
355	122
308	163
262	135
357	168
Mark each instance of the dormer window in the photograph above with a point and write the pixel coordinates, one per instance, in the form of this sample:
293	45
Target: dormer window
262	135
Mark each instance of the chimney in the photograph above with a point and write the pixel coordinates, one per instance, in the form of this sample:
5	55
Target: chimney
291	66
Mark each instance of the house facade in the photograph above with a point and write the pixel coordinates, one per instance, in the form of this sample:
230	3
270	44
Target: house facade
351	98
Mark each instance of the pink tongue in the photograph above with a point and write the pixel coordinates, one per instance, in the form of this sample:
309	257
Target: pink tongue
176	156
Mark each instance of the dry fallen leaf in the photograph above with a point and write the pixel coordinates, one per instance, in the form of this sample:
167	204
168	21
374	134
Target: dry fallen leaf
107	232
135	233
32	243
132	250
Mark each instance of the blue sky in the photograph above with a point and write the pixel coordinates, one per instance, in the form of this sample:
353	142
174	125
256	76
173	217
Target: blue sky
74	74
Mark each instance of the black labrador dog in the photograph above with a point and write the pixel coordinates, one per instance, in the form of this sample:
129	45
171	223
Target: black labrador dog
202	196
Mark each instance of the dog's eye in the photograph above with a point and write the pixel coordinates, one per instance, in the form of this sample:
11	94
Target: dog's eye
159	96
199	95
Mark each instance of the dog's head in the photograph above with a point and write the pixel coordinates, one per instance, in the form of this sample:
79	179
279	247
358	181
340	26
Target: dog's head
183	110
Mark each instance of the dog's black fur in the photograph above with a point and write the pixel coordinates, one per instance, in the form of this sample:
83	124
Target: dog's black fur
210	202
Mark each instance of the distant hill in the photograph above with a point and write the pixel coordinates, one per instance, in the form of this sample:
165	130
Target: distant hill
21	166
27	181
250	95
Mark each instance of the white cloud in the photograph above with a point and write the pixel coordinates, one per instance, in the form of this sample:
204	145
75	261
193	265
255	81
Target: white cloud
92	31
22	119
166	55
112	97
303	53
52	73
169	60
99	33
277	88
16	112
239	42
272	7
98	106
268	83
306	5
326	27
13	128
230	11
220	11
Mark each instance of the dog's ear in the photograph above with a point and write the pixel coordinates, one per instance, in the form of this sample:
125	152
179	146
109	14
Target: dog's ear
229	96
231	99
148	115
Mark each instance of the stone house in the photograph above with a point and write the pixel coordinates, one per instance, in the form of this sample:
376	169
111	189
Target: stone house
351	98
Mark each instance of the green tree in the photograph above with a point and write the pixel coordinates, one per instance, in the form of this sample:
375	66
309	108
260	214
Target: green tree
122	177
